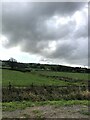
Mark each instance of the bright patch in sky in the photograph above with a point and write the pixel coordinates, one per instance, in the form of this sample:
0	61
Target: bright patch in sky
15	52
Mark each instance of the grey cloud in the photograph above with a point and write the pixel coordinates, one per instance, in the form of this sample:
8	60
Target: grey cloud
28	25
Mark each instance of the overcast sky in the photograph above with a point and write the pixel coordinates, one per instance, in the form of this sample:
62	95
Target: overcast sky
49	32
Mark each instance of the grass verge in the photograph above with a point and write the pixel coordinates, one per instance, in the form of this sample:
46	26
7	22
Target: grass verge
11	106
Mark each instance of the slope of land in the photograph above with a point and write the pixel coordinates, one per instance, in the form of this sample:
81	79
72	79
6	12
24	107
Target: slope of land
18	78
44	94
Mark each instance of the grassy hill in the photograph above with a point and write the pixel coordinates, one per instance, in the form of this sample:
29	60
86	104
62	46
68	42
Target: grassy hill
81	76
18	78
26	79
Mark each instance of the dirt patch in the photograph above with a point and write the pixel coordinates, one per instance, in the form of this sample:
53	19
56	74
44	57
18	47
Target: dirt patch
75	111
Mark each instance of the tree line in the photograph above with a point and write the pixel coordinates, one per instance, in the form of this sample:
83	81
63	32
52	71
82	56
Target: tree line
24	67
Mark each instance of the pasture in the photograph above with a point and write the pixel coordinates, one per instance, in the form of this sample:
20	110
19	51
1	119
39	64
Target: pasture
22	79
81	76
40	78
41	91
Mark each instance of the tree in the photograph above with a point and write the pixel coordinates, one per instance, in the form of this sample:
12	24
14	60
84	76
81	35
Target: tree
12	63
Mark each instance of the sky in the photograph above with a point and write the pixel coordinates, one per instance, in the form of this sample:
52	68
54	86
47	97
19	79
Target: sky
45	32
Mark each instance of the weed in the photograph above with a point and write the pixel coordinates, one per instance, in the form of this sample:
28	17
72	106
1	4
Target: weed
84	112
26	115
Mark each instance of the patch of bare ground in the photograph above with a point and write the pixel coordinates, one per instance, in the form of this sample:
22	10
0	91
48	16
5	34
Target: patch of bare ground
75	111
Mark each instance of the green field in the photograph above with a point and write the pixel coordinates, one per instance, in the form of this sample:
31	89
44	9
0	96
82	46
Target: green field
46	90
18	78
81	76
25	79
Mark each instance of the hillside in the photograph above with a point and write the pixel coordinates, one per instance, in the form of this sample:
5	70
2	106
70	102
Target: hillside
43	67
18	78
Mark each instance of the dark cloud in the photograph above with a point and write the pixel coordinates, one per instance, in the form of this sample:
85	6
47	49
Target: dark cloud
34	26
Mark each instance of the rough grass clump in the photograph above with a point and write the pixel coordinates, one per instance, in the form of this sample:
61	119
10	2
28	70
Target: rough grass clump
42	93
